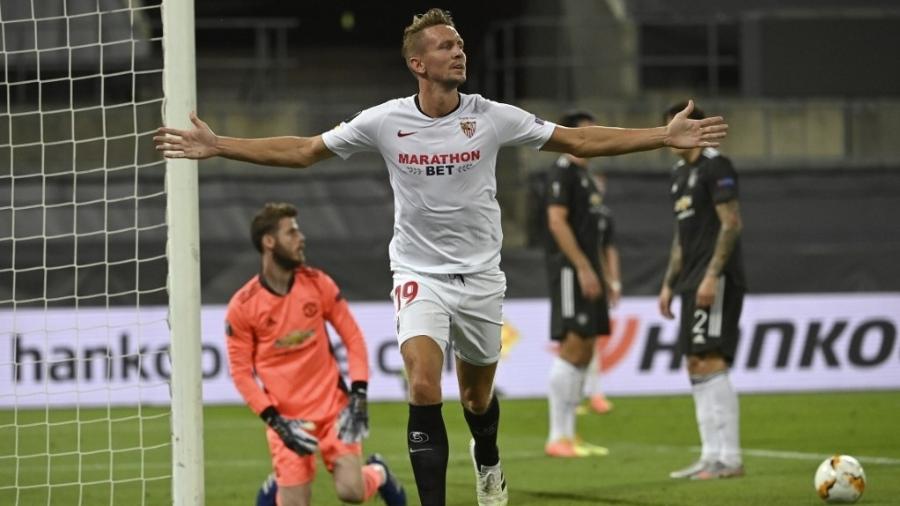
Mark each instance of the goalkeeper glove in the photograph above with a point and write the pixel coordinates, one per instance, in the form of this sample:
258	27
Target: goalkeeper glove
294	433
353	424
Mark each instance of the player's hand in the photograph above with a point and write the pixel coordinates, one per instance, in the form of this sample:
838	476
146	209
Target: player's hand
294	433
353	424
589	282
706	292
615	293
665	302
196	144
683	132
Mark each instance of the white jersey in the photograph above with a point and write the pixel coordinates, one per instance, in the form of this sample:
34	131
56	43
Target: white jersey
442	171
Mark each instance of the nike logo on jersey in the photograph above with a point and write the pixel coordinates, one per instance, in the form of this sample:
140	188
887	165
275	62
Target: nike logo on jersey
418	450
401	133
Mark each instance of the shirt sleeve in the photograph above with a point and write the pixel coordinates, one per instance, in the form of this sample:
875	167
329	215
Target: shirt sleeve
722	182
558	191
357	134
337	312
516	127
241	346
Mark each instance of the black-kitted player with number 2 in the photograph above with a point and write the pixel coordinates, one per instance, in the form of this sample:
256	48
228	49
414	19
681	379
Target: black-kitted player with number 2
707	270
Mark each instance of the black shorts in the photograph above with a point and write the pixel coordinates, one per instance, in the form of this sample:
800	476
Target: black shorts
571	311
713	329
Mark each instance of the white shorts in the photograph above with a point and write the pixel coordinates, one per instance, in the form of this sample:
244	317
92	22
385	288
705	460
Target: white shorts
463	309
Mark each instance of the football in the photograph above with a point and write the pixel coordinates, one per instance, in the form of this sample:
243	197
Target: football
840	479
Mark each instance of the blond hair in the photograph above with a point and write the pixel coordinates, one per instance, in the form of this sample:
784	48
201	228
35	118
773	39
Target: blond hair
412	33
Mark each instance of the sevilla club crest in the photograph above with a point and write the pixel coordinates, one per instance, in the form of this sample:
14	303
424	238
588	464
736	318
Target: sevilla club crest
468	127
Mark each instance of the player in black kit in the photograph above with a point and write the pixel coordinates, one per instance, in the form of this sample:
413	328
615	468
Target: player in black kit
580	229
706	269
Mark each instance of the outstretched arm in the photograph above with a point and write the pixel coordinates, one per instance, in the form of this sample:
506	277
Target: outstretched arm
681	132
200	143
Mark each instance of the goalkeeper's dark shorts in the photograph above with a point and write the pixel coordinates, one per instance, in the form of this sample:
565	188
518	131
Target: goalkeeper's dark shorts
712	329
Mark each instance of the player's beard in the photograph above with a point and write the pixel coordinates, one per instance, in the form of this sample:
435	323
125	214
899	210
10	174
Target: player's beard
452	79
455	81
285	260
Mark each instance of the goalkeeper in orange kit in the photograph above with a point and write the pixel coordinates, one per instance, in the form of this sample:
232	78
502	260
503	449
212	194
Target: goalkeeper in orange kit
281	362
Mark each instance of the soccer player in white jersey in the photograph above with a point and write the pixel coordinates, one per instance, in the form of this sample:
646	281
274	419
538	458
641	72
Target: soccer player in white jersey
440	147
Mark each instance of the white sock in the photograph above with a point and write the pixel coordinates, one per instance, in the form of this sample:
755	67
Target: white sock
566	384
592	378
707	425
725	401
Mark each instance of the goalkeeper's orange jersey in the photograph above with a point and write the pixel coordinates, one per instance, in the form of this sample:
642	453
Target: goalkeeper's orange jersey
278	347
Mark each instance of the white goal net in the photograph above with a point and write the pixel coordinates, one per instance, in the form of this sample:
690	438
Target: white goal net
85	365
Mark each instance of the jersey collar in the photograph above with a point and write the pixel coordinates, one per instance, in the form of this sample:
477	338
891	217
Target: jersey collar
262	281
458	105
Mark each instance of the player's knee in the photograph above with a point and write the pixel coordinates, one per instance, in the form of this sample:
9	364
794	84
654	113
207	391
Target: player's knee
473	407
581	357
293	496
706	363
577	350
693	363
474	401
424	391
349	493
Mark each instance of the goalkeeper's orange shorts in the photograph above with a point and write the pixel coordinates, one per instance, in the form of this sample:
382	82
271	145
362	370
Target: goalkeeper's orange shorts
292	470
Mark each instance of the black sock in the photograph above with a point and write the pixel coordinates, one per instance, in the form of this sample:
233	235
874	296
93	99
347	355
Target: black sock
428	453
484	430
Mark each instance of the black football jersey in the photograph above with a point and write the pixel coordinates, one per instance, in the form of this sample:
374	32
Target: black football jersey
696	189
573	187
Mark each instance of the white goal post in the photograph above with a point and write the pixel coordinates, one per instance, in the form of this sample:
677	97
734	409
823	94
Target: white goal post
183	251
99	256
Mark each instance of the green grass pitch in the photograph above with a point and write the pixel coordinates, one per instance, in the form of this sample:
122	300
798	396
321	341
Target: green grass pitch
784	436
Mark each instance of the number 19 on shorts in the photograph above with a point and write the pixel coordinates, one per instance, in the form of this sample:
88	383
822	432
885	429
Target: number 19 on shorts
405	293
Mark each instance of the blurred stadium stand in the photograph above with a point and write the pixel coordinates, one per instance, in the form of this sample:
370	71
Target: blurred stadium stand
814	109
